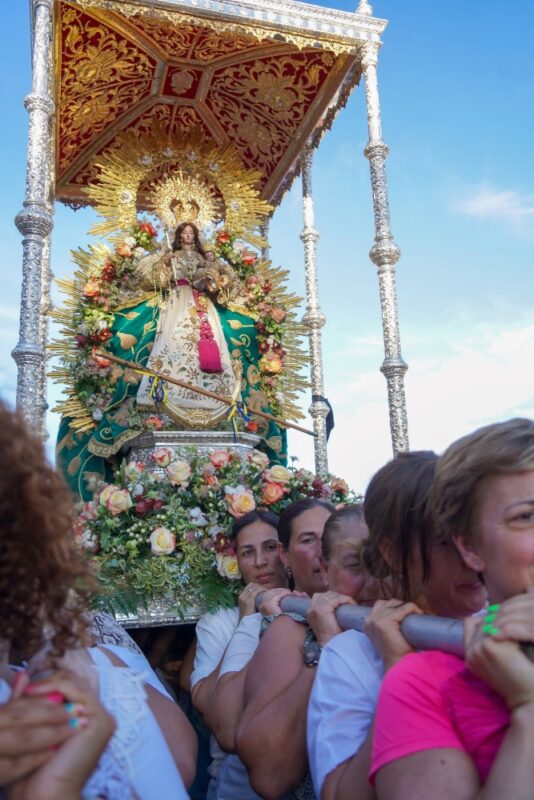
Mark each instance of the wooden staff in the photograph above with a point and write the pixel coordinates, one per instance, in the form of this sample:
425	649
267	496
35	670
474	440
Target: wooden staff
206	392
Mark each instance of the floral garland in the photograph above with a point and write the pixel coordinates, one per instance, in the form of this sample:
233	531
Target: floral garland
162	529
108	282
260	300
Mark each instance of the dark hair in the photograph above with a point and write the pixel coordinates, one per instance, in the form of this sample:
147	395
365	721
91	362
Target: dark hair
285	525
253	516
397	512
40	565
335	524
177	243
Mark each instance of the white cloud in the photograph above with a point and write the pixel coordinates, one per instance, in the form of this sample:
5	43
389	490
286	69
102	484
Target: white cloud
486	202
460	377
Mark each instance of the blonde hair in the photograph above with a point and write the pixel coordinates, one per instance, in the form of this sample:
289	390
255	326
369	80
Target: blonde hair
498	449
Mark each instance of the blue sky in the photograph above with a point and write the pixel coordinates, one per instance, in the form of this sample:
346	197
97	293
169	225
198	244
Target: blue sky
456	81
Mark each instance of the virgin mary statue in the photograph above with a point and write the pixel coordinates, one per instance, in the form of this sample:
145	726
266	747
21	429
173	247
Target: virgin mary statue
189	342
178	320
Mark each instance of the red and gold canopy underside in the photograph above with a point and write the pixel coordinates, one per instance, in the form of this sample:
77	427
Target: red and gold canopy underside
127	69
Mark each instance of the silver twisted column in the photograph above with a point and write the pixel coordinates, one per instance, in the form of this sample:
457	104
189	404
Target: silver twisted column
35	224
313	318
385	255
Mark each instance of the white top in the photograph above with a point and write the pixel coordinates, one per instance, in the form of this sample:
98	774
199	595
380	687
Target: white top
232	776
342	702
137	751
242	645
213	633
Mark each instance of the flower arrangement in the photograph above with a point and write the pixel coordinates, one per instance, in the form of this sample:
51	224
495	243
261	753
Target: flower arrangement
163	528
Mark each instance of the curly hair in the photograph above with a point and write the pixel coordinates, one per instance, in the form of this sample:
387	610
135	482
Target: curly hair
177	242
40	565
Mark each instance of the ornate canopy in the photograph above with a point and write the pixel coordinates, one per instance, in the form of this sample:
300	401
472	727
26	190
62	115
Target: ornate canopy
264	76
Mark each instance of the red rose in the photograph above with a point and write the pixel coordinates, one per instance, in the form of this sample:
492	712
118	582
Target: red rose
147	227
252	426
108	272
81	340
103	336
249	259
142	506
222	237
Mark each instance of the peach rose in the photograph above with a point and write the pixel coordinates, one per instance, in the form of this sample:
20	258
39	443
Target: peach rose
179	473
162	456
162	541
277	474
339	485
118	500
278	314
240	501
91	288
228	567
124	250
219	458
272	493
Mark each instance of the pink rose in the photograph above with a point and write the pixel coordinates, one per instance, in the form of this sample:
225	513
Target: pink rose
219	458
162	456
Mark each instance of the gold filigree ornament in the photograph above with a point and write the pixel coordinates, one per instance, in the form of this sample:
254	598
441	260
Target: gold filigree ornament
184	197
160	174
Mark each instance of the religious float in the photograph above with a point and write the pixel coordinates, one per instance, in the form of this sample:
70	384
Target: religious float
180	351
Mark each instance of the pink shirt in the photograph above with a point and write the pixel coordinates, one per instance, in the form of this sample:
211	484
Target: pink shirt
431	700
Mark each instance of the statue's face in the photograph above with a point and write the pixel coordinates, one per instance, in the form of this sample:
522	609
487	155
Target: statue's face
188	235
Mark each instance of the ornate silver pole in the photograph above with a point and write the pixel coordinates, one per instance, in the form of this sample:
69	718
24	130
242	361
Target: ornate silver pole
35	224
384	253
313	318
264	230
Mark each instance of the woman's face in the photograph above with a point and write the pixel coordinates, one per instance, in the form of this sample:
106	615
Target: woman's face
453	589
258	556
303	555
503	547
345	573
187	235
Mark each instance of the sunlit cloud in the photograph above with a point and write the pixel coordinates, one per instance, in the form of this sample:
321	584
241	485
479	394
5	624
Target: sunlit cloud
459	378
486	202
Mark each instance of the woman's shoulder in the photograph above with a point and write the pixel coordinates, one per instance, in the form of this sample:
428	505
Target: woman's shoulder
430	669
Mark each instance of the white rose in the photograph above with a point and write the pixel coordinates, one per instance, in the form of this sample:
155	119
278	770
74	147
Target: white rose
228	567
259	459
89	541
278	474
118	500
197	517
162	541
179	472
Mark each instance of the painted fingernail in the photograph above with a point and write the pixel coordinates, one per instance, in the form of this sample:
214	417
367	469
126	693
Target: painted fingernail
76	709
489	617
78	722
490	630
494	608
